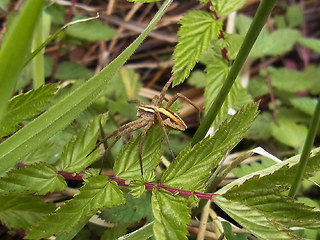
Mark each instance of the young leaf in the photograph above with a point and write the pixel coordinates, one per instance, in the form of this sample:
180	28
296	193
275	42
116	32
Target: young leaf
193	165
74	157
98	193
127	164
224	7
171	214
22	211
25	106
197	30
38	178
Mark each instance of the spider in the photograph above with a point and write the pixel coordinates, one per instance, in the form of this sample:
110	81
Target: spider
149	115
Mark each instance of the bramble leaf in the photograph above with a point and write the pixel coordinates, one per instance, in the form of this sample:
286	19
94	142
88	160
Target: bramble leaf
98	193
306	105
25	106
127	164
38	178
197	30
225	7
193	165
311	43
172	215
257	203
22	211
74	157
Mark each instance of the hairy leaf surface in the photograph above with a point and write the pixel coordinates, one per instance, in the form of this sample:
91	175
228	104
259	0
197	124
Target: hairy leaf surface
225	7
25	106
98	193
172	215
197	30
127	165
193	165
74	157
38	178
22	211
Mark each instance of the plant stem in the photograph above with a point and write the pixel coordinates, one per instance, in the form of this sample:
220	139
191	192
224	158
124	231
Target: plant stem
258	22
306	150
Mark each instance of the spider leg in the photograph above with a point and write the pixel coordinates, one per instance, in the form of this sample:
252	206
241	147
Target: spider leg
179	95
143	136
165	132
157	100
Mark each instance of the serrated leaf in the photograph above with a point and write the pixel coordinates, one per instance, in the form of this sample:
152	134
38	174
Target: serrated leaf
39	178
225	7
172	215
311	43
289	133
133	211
93	30
261	192
193	165
127	164
98	193
22	211
306	105
25	106
197	30
254	220
72	71
74	157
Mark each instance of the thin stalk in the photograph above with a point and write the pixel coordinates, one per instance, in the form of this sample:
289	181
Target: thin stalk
258	22
306	150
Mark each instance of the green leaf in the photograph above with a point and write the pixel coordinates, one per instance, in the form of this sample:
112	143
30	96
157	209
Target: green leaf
245	169
114	233
74	157
197	79
289	133
294	15
127	164
25	106
22	211
217	73
145	232
257	203
93	30
230	235
291	80
261	127
311	43
225	7
197	30
172	215
98	193
193	165
14	48
274	44
258	86
306	105
67	108
71	70
38	178
133	211
254	220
